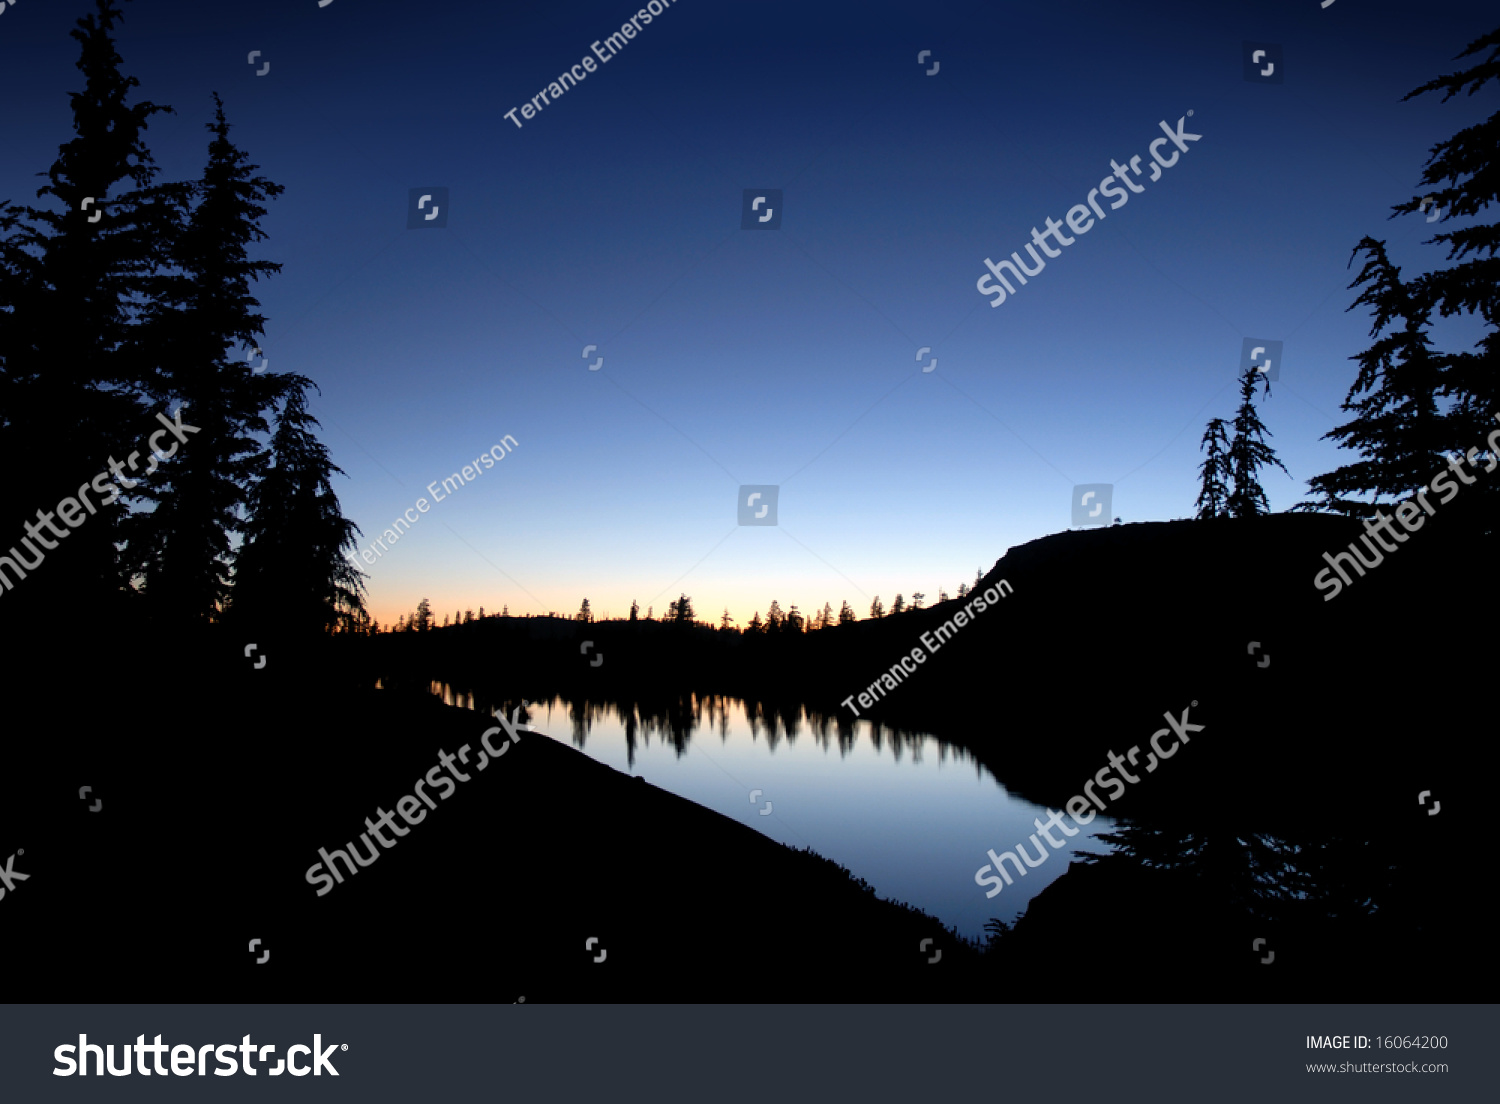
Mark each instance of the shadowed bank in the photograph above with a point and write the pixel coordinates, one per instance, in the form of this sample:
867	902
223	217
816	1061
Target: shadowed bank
197	732
1292	817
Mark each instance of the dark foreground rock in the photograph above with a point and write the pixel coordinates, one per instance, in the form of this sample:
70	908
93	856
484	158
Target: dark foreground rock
216	804
1305	815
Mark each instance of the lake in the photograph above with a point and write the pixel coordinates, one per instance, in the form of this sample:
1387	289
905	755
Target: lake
909	814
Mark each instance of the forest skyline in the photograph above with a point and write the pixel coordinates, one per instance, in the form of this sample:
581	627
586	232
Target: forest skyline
793	356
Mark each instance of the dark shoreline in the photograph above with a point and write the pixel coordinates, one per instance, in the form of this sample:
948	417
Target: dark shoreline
220	782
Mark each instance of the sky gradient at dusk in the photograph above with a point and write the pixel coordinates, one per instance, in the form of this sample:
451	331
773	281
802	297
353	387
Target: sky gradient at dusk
784	356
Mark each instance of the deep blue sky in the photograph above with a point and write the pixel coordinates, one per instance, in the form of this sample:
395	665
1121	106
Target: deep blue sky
781	357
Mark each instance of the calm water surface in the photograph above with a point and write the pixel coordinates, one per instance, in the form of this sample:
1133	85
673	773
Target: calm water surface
911	816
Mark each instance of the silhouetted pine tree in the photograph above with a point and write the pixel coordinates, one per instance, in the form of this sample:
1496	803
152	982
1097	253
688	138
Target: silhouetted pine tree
846	614
293	561
182	548
1468	165
876	609
69	398
1213	498
1420	405
1398	429
1248	453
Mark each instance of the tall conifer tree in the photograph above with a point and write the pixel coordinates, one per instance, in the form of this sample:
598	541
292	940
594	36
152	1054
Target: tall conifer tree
1248	453
295	571
1467	169
199	313
1213	497
1414	406
74	275
1398	429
